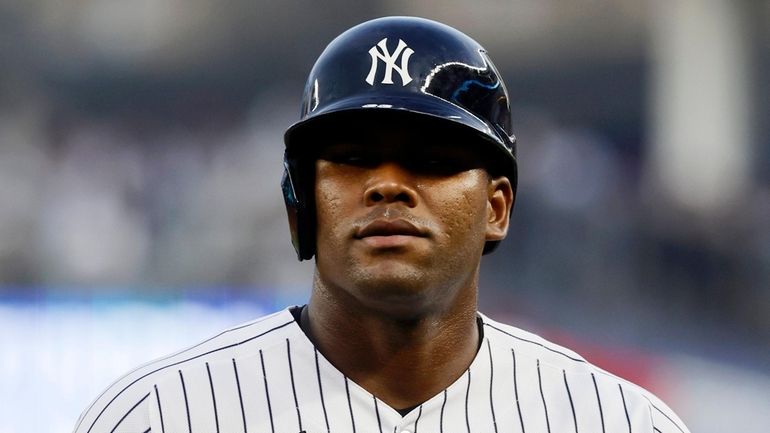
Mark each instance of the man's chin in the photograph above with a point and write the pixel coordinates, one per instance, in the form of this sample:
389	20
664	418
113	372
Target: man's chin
398	293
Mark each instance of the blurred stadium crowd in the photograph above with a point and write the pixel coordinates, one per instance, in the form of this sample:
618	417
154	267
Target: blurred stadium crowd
141	145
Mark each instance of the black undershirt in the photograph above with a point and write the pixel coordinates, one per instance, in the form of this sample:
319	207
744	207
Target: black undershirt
297	313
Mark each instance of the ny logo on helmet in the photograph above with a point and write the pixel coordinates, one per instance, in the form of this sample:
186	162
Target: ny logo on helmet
390	62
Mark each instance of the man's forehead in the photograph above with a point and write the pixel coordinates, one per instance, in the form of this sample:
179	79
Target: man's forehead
393	143
396	136
402	137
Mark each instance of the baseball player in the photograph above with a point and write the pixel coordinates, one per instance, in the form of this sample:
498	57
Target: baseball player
399	176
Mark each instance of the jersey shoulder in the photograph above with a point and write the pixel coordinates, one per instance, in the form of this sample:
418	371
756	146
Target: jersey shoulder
526	343
639	401
123	406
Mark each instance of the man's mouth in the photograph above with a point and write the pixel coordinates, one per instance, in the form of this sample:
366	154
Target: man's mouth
383	227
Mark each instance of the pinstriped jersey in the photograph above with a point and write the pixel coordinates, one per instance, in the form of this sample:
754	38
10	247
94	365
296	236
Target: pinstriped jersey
267	377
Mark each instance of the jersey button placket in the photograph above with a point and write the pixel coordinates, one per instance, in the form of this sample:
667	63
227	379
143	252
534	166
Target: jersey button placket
406	424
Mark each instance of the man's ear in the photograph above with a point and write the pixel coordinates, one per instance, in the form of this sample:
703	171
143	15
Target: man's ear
500	198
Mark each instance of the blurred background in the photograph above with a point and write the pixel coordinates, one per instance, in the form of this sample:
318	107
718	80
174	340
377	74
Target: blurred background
140	210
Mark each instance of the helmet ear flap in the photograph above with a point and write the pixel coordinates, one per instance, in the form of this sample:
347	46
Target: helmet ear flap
299	210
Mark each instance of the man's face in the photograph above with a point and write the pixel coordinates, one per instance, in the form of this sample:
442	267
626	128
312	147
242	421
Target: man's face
402	220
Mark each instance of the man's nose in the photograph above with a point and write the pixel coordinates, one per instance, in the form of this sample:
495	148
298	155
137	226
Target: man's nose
390	183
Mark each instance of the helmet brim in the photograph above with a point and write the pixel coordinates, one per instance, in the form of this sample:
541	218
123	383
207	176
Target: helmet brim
429	107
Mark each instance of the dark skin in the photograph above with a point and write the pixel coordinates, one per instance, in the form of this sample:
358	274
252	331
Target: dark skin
401	229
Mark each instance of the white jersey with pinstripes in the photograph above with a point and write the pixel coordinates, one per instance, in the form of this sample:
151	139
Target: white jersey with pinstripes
267	377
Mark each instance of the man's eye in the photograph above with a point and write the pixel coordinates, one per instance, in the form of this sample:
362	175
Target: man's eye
353	159
426	160
349	158
438	164
433	162
437	161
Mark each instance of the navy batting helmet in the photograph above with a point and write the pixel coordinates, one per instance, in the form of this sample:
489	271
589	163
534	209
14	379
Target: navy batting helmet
405	67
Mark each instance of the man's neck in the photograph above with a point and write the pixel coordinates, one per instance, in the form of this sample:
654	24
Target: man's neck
402	362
